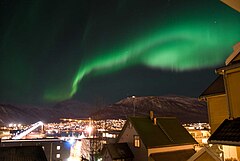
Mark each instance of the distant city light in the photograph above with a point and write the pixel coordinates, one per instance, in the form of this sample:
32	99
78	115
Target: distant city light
71	141
28	130
73	131
89	130
73	159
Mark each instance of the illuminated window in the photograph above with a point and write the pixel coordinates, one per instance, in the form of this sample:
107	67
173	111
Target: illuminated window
58	147
58	155
136	141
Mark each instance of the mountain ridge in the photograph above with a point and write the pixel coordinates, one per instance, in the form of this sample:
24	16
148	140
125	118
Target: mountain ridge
186	109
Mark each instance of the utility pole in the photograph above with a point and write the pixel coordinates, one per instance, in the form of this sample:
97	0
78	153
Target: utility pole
133	97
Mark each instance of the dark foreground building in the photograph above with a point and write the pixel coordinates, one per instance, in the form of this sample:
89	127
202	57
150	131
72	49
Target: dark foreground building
23	153
54	149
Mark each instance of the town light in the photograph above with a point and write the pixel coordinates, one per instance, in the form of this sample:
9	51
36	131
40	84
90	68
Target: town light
89	130
71	141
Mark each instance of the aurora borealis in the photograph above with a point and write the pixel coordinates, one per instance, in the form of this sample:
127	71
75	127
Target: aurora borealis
51	51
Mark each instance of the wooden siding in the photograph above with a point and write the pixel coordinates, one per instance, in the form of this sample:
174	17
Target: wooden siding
218	111
233	86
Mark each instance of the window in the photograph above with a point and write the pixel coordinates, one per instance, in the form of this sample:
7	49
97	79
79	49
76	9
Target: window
136	141
58	147
58	155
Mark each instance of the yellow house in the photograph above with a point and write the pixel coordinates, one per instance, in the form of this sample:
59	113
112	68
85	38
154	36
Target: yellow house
222	95
223	99
231	77
217	103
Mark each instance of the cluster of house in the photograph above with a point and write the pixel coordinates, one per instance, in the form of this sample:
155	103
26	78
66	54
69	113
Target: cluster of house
165	139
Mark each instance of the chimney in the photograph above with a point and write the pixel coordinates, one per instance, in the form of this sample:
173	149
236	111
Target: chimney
151	115
154	121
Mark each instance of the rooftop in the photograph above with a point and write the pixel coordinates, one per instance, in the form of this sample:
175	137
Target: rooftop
31	140
167	132
22	153
216	88
228	133
181	155
233	66
235	55
119	150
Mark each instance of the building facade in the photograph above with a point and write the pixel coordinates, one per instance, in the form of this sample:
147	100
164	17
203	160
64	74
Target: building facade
54	149
223	99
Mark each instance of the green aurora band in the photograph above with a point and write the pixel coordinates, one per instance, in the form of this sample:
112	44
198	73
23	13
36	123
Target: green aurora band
186	44
181	47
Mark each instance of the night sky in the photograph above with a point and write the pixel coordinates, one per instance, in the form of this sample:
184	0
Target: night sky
92	50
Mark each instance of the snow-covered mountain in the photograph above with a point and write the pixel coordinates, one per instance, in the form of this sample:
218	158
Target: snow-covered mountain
184	108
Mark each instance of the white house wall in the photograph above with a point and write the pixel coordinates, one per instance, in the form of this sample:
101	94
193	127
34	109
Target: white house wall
140	154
